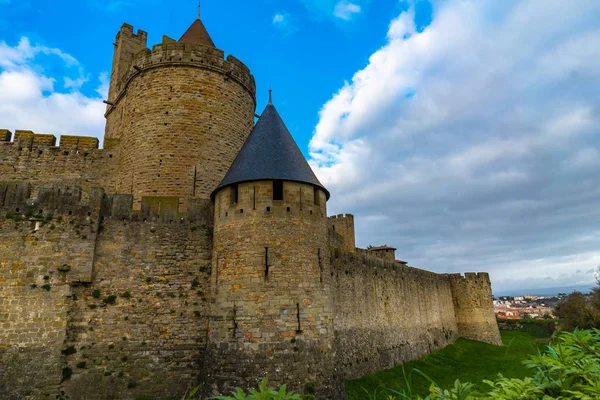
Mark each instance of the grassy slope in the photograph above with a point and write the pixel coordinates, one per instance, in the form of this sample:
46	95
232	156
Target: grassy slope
466	360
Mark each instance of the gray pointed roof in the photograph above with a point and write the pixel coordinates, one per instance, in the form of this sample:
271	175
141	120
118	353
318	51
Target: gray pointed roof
270	153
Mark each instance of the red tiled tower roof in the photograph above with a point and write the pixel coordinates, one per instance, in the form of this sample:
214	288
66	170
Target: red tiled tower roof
197	34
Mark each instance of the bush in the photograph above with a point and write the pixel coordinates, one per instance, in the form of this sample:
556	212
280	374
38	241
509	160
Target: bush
110	299
263	393
569	369
579	310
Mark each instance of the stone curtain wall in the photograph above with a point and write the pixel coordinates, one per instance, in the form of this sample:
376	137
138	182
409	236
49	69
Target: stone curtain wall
41	253
149	340
386	314
474	308
93	308
35	159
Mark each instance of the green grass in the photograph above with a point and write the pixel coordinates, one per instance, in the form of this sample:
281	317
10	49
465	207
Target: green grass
466	360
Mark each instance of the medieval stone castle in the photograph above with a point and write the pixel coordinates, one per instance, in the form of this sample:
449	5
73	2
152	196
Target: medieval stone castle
195	249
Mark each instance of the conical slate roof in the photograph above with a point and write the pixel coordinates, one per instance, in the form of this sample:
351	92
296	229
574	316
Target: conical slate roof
270	153
197	34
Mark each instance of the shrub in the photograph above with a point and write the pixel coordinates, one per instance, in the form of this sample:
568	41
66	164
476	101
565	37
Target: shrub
579	311
263	393
569	369
110	299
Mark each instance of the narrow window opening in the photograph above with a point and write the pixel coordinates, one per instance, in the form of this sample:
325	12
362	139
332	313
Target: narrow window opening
300	199
268	209
320	265
217	275
317	197
235	325
288	209
266	263
226	213
278	190
241	210
298	329
234	194
333	227
193	183
254	197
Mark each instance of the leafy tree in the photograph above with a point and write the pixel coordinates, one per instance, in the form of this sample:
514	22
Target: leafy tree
579	311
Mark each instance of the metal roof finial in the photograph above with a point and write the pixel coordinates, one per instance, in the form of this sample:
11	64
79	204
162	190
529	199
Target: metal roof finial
198	9
270	96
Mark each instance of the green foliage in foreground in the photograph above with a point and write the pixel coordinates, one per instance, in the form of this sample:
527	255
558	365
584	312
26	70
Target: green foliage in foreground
263	393
569	369
466	360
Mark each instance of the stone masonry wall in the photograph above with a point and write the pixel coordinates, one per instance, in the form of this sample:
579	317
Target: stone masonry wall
343	225
111	307
183	113
149	339
271	305
43	250
474	309
35	159
386	313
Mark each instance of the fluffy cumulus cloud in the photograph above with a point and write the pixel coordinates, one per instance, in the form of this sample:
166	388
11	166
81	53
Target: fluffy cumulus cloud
31	98
474	143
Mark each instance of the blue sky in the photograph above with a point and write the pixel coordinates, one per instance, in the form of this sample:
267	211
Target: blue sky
465	133
300	48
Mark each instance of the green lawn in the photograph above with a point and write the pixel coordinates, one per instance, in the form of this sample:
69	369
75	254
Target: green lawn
466	360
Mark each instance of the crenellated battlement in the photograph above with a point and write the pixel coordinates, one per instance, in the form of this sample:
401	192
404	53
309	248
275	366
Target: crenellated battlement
368	260
342	216
26	140
126	31
38	160
255	200
471	276
171	53
18	201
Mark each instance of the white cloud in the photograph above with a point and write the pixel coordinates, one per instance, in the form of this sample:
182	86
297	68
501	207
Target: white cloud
283	21
32	100
333	9
474	144
346	10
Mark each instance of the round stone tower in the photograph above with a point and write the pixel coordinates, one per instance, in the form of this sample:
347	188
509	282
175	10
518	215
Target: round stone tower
180	112
271	314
